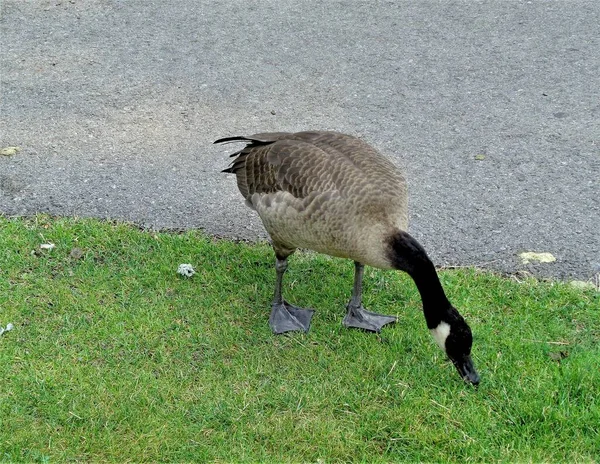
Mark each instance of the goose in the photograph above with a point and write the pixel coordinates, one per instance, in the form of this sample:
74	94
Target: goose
335	194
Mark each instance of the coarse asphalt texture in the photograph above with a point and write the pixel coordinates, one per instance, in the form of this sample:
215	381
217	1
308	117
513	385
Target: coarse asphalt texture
492	108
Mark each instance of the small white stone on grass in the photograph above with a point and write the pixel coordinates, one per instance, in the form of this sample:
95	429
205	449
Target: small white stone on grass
47	246
8	328
186	270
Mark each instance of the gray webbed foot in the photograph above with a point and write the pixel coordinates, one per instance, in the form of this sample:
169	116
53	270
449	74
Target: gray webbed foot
286	318
360	318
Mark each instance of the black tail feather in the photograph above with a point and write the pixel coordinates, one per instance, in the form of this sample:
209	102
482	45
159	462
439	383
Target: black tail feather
237	138
251	142
262	138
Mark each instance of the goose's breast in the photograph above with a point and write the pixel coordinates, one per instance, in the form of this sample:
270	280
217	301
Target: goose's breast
329	223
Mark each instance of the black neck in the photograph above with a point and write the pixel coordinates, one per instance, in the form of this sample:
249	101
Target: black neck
406	254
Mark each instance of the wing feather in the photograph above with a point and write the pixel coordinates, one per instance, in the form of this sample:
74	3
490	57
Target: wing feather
307	162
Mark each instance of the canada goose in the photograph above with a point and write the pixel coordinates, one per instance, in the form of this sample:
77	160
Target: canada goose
335	194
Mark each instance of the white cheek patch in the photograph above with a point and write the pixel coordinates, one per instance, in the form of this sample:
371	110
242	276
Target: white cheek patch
440	334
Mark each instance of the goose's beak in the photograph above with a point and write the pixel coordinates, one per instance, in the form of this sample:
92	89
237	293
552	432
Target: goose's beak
466	369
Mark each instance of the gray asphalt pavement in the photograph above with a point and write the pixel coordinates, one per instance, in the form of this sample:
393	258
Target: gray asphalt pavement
493	109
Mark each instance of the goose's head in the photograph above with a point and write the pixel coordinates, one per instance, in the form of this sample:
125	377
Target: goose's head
453	335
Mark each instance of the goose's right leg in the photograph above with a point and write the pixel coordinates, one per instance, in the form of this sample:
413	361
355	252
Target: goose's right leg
357	315
284	316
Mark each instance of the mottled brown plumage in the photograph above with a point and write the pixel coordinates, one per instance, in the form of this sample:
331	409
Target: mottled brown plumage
325	191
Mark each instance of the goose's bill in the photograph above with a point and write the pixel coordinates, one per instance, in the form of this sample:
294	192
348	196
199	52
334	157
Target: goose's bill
466	369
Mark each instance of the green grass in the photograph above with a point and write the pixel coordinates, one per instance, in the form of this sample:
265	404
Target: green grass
115	357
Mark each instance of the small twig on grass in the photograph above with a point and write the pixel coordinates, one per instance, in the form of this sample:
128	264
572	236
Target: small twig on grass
391	370
440	405
549	343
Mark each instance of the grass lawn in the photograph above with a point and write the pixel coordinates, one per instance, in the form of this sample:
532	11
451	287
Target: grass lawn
115	357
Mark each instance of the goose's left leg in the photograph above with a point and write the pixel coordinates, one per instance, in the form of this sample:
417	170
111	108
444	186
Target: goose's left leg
358	316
